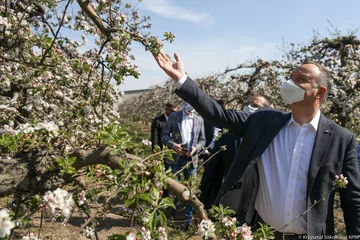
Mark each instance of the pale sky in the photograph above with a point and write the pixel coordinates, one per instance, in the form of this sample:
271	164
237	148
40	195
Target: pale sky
212	35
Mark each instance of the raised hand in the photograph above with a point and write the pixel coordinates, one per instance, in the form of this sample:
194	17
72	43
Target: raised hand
175	70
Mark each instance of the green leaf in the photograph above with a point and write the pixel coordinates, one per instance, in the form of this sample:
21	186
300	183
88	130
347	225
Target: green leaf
166	202
47	39
152	221
162	218
144	197
86	67
117	237
156	193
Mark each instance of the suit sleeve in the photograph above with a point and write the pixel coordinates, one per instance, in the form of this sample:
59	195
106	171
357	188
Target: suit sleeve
350	196
211	111
167	130
154	134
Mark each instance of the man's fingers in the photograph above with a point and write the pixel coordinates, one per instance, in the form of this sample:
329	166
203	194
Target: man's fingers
164	55
162	59
177	57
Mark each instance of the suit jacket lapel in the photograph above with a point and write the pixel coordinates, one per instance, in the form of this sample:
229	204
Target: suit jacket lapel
271	131
322	141
237	168
268	136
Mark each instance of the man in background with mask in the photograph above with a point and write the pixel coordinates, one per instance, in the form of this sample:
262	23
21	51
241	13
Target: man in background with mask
184	133
219	164
293	157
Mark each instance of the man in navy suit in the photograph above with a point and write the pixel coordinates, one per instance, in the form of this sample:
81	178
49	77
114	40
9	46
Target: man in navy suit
291	159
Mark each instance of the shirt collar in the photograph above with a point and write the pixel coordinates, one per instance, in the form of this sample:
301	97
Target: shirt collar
314	122
166	117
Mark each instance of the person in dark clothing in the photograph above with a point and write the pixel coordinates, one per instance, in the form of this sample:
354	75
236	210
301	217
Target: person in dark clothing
158	124
210	134
218	166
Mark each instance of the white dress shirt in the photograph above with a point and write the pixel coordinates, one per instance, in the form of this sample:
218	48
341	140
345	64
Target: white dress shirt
283	170
187	126
181	81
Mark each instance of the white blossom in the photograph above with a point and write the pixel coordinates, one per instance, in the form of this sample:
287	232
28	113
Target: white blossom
26	128
30	236
4	21
245	232
131	236
82	197
163	234
145	233
59	200
146	142
5	223
88	232
49	126
7	129
206	228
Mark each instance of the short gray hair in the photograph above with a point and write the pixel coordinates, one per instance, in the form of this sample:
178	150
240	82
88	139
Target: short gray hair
325	78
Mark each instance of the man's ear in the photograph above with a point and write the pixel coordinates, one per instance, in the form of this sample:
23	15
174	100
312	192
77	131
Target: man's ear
322	91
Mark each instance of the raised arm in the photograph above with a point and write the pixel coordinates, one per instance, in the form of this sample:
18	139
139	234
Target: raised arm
207	107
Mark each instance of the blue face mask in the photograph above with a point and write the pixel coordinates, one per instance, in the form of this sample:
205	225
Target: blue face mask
249	109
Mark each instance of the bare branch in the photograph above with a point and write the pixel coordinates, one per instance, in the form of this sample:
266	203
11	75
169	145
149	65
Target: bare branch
86	7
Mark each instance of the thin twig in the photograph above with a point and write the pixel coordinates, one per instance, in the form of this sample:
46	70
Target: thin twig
212	155
46	22
316	202
56	34
29	64
41	222
111	196
196	157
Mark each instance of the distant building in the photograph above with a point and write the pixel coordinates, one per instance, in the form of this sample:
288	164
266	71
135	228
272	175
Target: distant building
131	93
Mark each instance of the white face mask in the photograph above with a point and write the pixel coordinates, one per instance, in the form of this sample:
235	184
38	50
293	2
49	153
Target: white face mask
188	109
249	109
291	93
